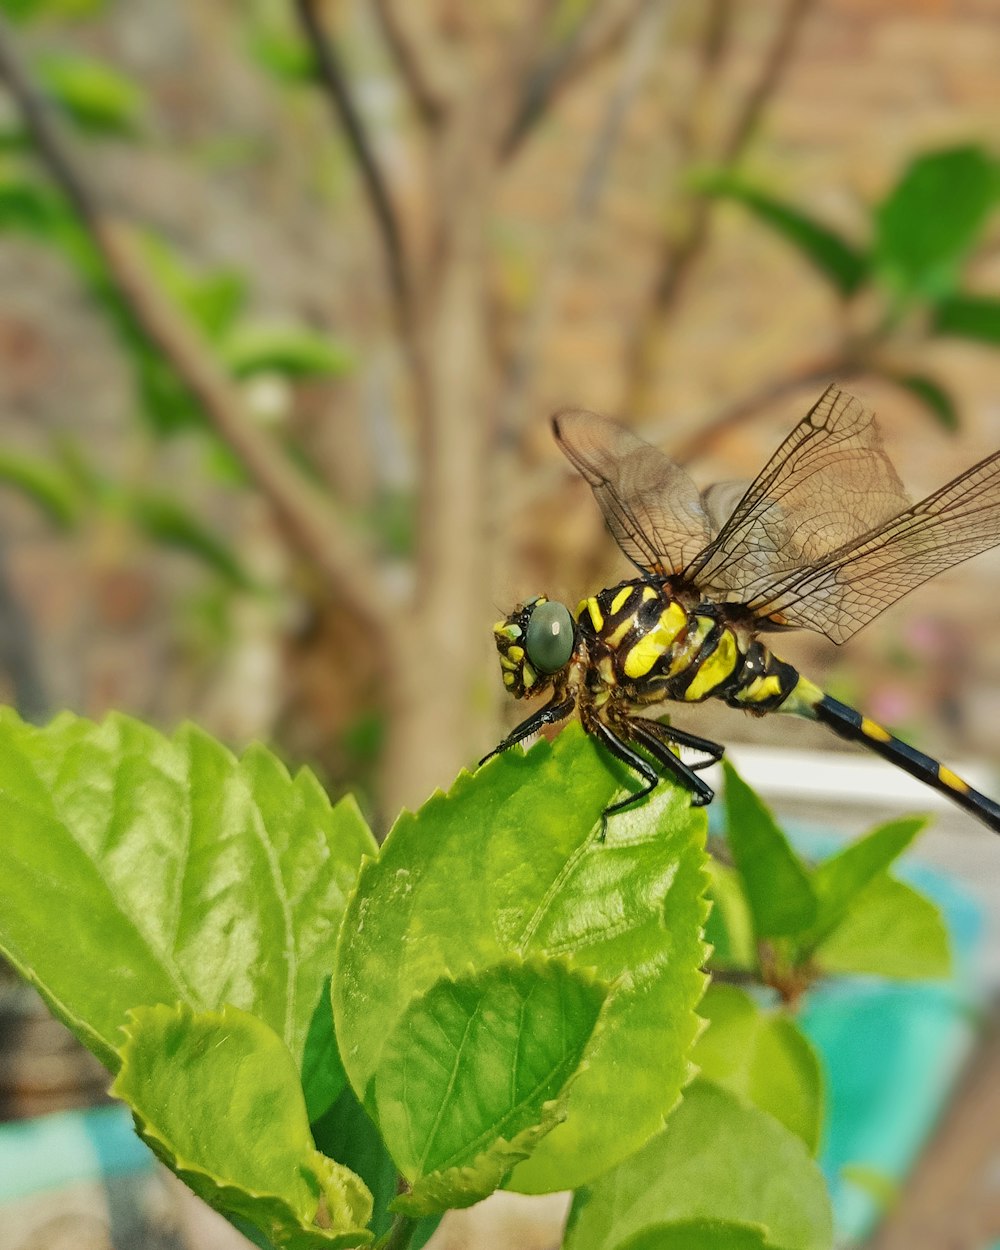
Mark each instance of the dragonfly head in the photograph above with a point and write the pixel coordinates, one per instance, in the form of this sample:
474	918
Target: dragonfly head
535	643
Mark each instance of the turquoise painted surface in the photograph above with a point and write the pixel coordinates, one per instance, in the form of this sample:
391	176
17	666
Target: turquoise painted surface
68	1147
892	1052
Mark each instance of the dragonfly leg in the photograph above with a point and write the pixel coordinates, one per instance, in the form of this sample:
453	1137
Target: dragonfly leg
668	733
631	759
557	709
642	731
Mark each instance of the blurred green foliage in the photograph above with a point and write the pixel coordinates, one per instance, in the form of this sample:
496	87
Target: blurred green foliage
921	236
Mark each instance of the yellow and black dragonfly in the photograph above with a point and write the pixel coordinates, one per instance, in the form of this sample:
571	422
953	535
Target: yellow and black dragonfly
824	539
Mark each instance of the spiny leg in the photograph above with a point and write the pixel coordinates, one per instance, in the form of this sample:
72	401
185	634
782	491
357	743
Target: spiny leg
556	710
669	733
631	759
701	794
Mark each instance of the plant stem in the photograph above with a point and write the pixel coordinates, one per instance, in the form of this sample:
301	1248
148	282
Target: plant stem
399	1235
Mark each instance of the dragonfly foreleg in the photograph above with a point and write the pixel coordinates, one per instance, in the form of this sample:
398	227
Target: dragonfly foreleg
556	710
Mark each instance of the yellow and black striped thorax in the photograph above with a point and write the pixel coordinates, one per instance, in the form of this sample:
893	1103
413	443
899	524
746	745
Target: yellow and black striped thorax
643	640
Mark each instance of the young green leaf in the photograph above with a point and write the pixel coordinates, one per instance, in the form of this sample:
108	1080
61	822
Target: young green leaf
511	863
932	218
700	1235
347	1133
716	1160
931	394
975	317
168	521
217	1097
890	931
840	261
140	869
466	1184
27	10
99	99
212	298
44	484
774	879
839	881
764	1058
295	351
468	1076
729	928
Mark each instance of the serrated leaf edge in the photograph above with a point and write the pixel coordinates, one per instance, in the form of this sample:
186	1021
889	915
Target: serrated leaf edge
316	1162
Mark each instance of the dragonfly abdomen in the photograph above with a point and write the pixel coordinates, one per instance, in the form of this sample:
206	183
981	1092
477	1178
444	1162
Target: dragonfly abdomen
850	724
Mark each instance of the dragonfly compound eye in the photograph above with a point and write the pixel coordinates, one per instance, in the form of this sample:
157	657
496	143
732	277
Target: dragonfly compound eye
550	637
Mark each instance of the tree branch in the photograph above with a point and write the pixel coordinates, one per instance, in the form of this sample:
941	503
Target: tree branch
838	365
313	525
429	102
680	256
334	80
596	36
636	63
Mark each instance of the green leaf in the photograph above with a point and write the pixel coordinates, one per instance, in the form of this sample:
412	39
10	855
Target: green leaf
168	522
975	317
284	55
27	10
840	880
775	882
763	1058
44	484
347	1133
323	1075
838	260
716	1160
140	869
933	217
28	207
891	931
469	1075
466	1184
700	1235
213	298
217	1097
293	351
510	863
729	929
98	98
931	394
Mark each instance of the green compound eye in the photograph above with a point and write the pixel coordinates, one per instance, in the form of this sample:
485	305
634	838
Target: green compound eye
549	641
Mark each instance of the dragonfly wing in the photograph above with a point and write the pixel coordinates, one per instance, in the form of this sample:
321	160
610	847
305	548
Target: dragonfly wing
840	594
829	482
651	506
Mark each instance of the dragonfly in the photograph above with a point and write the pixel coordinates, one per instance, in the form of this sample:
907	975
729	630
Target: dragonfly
824	538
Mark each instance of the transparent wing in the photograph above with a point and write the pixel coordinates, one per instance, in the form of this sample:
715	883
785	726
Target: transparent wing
843	592
829	482
651	506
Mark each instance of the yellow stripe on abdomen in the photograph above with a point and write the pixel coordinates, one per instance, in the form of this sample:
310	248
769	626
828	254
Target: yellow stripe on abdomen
714	669
952	780
872	729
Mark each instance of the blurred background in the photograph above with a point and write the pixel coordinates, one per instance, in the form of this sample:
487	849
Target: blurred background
288	290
